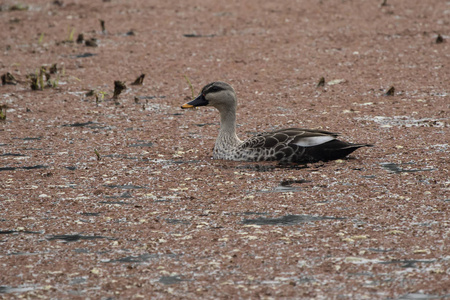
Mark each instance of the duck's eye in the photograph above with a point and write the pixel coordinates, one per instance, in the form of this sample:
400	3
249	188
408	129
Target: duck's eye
214	89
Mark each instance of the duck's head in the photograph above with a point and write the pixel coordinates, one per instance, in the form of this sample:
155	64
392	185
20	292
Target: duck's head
218	94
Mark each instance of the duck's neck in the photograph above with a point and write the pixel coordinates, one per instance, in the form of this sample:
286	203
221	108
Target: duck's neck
227	135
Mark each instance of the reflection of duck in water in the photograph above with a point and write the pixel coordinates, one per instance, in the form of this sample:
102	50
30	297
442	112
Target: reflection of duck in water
285	145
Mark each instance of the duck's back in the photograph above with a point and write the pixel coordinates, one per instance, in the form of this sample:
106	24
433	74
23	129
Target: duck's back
295	145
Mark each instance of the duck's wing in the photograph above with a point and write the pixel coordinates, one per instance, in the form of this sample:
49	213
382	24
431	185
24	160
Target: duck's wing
298	145
294	131
290	136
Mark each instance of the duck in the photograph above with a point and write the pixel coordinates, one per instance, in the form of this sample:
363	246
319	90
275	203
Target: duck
290	145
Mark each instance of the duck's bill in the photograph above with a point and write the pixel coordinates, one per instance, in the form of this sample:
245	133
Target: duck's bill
199	101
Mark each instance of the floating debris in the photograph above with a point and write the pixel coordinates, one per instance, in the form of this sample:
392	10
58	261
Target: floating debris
336	81
41	79
102	25
3	108
321	82
18	7
53	69
8	78
80	39
91	42
439	39
119	86
139	80
390	92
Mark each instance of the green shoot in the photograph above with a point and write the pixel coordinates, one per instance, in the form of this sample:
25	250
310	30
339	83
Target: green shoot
71	34
41	39
190	86
97	154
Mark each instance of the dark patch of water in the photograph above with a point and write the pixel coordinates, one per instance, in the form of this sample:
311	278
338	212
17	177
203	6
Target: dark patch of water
287	220
205	124
286	185
116	202
29	138
23	168
90	214
25	253
84	55
81	250
177	221
78	124
78	280
125	195
135	259
34	167
269	168
247	213
397	169
141	144
21	231
123	156
4	289
71	168
150	97
420	296
360	274
194	35
257	168
291	182
179	162
125	186
407	263
75	237
163	200
167	280
379	250
12	154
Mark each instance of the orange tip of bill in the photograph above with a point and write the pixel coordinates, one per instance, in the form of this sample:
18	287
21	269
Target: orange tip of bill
186	105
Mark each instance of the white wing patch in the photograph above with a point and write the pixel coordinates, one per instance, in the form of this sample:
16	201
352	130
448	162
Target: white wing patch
314	140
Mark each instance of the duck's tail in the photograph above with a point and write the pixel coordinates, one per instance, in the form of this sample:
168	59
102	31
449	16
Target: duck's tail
332	150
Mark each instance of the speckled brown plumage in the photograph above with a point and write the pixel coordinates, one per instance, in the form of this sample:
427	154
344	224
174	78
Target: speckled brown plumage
286	145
